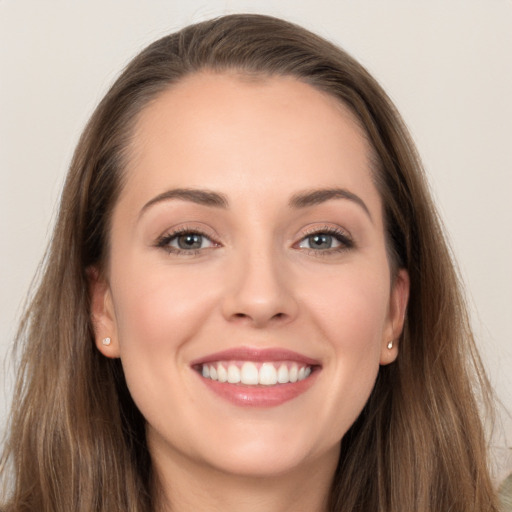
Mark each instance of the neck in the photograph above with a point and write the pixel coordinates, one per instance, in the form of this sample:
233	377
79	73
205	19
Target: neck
185	486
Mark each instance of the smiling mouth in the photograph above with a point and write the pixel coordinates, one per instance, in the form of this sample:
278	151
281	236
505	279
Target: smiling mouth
257	377
253	373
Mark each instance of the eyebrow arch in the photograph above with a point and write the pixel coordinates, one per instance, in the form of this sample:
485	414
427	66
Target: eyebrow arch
315	197
203	197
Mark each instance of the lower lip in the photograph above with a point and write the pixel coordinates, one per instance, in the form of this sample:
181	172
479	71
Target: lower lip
259	396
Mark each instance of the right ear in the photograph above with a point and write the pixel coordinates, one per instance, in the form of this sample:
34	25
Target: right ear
103	314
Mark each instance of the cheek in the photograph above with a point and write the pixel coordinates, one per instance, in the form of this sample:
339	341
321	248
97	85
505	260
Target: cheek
351	315
158	313
158	308
352	308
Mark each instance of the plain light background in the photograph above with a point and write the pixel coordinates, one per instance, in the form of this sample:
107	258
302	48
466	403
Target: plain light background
446	64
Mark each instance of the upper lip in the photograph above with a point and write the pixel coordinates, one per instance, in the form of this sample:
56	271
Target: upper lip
257	355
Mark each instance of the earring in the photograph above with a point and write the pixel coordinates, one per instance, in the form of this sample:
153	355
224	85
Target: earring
106	341
390	345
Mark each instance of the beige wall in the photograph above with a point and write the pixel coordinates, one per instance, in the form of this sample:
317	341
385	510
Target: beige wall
447	65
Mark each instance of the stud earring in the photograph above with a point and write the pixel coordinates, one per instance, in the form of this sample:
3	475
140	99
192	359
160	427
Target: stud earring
390	345
106	341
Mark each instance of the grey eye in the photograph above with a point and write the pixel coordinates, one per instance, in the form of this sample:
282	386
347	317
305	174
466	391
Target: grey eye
190	241
320	241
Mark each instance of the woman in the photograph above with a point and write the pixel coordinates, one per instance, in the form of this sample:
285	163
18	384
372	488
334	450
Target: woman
248	302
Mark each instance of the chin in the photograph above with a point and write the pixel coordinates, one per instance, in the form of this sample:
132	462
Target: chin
268	454
260	463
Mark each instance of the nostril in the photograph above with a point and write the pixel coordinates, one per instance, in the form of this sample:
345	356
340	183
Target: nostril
243	316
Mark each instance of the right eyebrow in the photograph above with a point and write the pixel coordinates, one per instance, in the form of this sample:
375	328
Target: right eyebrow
198	196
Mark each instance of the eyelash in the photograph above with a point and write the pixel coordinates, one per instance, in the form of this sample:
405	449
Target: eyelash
341	236
345	241
164	241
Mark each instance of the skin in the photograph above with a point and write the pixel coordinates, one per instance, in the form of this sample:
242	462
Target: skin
256	281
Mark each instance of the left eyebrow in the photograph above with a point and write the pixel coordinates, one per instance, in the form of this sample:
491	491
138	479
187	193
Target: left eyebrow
319	196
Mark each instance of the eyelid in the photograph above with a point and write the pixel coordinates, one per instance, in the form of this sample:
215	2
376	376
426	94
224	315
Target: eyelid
342	236
169	234
323	227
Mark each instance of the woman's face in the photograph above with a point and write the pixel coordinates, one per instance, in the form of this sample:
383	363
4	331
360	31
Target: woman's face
248	245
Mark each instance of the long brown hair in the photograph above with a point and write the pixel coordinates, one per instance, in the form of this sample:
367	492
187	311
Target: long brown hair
77	440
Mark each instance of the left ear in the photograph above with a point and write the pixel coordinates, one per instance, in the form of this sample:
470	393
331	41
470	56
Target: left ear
396	317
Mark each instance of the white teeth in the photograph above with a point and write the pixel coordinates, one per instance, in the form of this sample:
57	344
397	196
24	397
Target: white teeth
249	373
233	374
253	374
222	374
283	374
268	374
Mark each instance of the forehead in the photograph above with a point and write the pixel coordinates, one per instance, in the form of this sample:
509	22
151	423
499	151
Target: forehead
212	129
220	95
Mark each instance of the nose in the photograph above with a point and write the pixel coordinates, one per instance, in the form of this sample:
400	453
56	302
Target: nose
259	291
